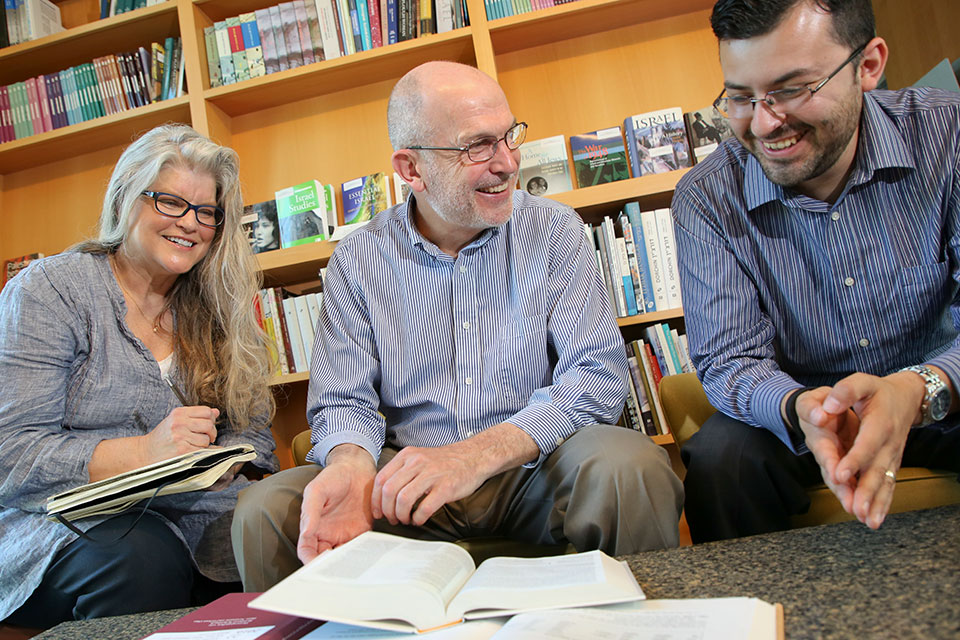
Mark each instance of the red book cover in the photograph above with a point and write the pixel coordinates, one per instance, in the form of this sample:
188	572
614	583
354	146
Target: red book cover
376	37
231	612
6	117
236	39
44	103
282	318
654	365
34	105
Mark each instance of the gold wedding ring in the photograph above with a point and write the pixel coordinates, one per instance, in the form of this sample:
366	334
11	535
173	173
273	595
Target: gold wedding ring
891	476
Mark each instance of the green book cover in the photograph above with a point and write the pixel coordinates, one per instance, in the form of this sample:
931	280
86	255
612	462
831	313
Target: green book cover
213	56
599	157
301	211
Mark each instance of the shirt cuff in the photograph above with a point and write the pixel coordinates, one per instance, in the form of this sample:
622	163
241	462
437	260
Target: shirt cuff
318	454
546	424
765	406
949	361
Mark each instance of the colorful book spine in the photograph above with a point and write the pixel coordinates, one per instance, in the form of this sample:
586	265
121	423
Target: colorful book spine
252	46
632	210
328	29
276	22
303	32
268	41
313	21
227	73
213	55
237	49
291	34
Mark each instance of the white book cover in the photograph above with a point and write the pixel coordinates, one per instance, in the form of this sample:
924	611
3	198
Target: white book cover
400	188
306	327
613	265
669	252
293	330
313	304
328	29
445	15
42	18
648	221
544	168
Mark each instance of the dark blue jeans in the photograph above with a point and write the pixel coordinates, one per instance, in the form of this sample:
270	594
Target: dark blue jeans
149	569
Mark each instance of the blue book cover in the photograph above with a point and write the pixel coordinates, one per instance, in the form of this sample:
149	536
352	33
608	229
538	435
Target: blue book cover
391	22
659	141
599	157
363	15
632	209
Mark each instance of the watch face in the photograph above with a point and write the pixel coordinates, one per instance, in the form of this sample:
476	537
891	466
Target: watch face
939	405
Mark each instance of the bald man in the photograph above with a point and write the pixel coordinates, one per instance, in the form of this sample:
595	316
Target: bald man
466	367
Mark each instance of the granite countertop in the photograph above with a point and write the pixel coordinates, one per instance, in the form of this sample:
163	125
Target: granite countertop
834	581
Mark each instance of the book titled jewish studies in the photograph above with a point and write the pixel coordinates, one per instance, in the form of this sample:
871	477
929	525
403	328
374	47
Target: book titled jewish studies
599	157
301	211
388	582
544	169
657	142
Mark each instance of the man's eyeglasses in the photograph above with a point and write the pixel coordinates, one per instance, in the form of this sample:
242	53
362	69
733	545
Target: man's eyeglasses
485	148
173	206
780	101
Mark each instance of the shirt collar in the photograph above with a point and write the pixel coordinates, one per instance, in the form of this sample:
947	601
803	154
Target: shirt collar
405	214
880	146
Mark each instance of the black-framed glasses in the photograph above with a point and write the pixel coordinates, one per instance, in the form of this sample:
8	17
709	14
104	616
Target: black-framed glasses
173	206
483	149
780	101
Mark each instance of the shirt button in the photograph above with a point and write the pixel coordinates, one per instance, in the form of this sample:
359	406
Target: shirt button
463	268
849	282
835	215
864	342
466	325
469	434
468	381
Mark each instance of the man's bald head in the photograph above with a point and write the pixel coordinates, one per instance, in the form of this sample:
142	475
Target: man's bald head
427	92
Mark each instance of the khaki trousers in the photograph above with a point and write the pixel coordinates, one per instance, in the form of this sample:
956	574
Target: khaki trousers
604	487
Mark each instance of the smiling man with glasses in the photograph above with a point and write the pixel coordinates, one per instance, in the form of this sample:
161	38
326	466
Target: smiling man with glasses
468	365
819	266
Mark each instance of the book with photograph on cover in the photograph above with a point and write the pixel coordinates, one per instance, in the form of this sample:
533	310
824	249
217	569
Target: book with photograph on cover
706	129
544	169
261	227
657	142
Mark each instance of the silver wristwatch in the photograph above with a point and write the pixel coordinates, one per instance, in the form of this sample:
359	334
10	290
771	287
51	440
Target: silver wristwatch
936	400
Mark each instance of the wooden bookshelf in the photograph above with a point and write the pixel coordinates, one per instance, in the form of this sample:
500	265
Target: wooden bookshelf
566	70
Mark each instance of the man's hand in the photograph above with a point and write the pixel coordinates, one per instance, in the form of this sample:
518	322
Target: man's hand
418	481
857	431
336	504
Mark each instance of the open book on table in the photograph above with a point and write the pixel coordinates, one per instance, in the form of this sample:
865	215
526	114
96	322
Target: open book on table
389	582
188	472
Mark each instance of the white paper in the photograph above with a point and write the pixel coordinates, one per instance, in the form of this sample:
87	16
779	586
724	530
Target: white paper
475	630
250	633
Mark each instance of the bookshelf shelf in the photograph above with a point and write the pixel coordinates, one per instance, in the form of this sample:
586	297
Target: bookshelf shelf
295	264
85	42
650	318
652	191
566	21
340	74
92	135
290	378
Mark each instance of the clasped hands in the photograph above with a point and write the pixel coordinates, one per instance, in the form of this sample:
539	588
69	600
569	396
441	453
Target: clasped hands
857	431
349	493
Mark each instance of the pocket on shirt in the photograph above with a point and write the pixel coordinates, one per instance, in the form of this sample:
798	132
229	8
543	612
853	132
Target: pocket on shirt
922	293
523	363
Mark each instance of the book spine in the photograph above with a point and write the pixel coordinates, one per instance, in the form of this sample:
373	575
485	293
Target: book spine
213	55
672	269
613	264
392	22
224	55
237	50
141	68
636	378
651	381
624	264
268	42
276	23
293	330
6	118
630	136
656	344
303	31
303	320
632	209
328	29
276	316
291	34
632	262
313	21
252	46
669	348
376	36
654	259
363	22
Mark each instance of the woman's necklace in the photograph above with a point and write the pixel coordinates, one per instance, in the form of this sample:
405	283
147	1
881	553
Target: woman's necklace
156	319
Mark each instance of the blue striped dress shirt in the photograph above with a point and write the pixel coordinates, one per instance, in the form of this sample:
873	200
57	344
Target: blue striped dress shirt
416	347
781	290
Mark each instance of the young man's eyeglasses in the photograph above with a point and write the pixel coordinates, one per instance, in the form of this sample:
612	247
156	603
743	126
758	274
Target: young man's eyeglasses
483	149
780	101
173	206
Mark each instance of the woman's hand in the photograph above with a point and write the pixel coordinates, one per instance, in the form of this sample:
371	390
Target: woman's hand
184	429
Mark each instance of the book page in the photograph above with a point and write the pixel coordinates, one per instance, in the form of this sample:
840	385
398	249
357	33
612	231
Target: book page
375	580
706	619
475	630
250	633
508	585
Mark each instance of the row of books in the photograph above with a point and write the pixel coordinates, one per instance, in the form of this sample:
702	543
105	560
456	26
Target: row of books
504	8
106	85
290	321
662	352
647	143
310	212
636	254
25	20
299	32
